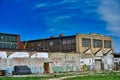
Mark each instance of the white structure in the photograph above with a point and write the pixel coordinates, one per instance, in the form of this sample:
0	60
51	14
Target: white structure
40	55
3	54
19	55
3	59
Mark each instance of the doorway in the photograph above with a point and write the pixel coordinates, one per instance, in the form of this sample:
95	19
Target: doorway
46	67
98	64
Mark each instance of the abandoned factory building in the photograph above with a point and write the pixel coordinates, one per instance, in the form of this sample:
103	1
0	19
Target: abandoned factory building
79	43
94	50
78	52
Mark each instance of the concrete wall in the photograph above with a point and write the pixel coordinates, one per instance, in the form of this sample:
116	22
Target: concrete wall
108	62
65	62
58	62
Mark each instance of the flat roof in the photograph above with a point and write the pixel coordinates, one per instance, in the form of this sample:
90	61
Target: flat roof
50	38
9	34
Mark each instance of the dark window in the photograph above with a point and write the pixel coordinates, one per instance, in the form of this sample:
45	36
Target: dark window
86	42
8	41
8	38
51	43
97	43
68	45
56	45
107	44
64	42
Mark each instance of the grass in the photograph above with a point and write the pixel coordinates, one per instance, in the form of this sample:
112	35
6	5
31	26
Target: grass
94	76
36	78
22	78
97	77
44	77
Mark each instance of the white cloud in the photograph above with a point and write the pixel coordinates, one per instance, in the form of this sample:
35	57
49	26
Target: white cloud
39	5
53	4
110	12
54	23
59	18
51	30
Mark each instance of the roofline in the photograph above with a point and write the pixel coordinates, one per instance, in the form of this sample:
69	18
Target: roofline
10	34
50	38
94	34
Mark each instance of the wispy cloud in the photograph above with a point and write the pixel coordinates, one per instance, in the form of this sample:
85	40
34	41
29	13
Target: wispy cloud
110	12
54	3
59	15
75	16
52	30
40	5
65	14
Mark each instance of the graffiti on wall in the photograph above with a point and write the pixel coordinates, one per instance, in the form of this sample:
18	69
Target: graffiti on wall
70	63
57	61
39	61
0	62
19	61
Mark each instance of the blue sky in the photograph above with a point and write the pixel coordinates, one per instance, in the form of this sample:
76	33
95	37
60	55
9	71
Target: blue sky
35	19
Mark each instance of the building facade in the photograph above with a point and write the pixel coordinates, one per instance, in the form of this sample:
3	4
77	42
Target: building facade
78	43
53	44
80	52
9	41
94	42
95	50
